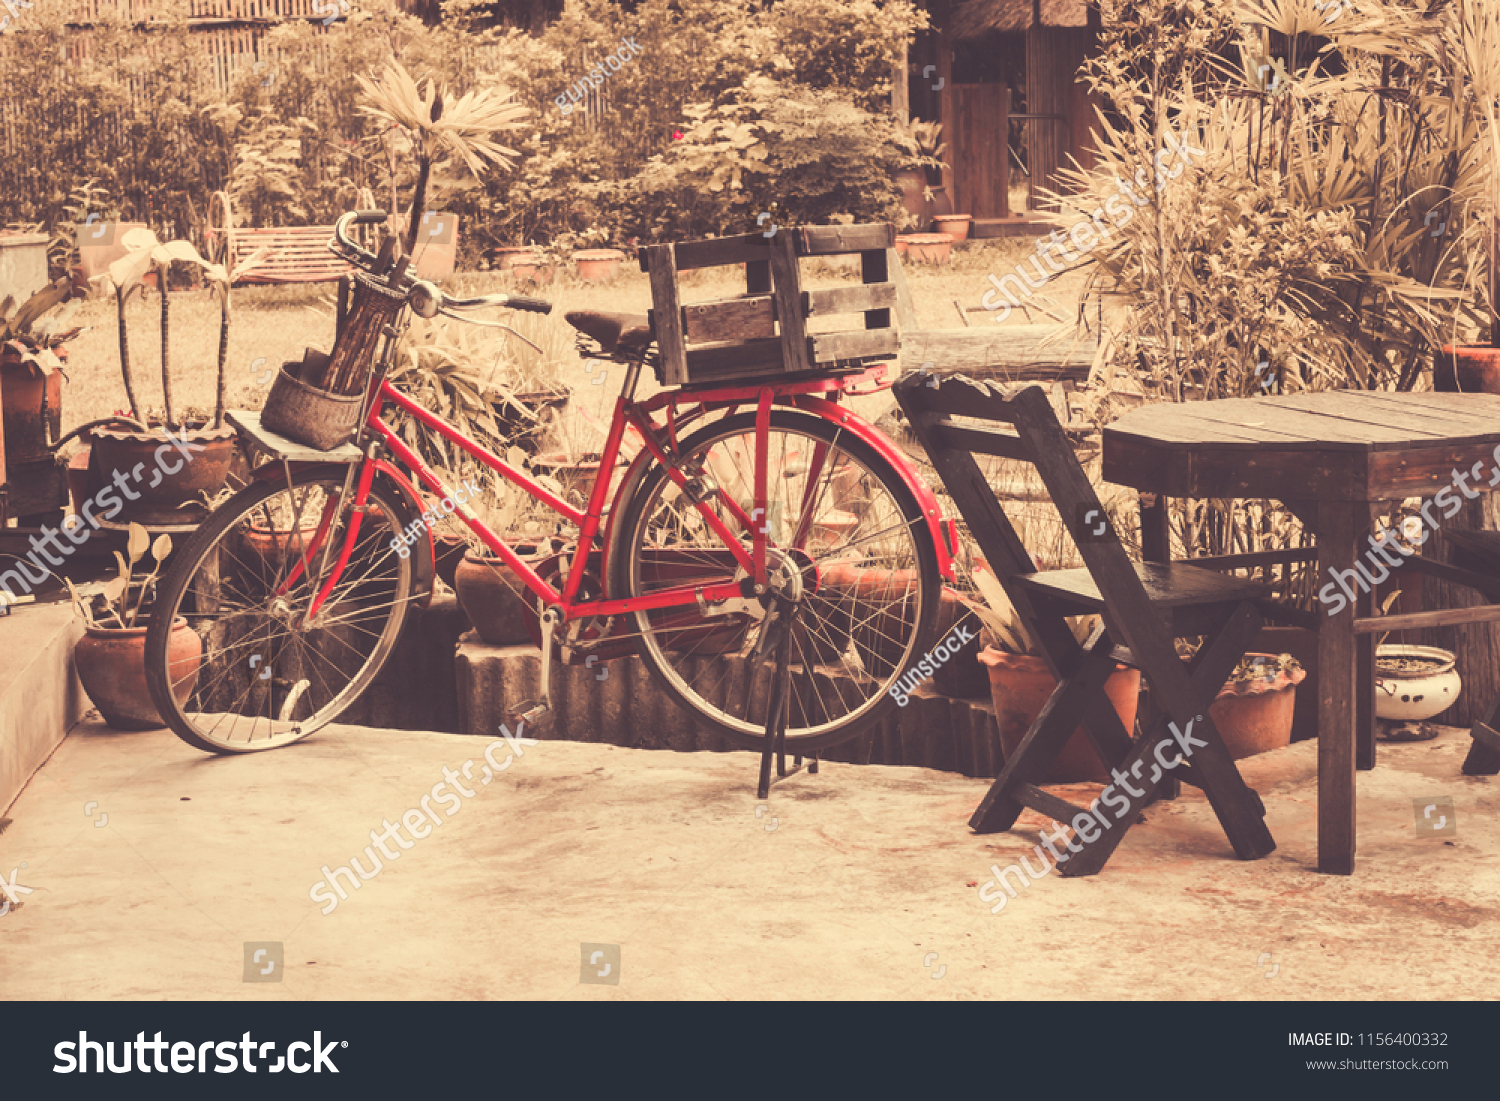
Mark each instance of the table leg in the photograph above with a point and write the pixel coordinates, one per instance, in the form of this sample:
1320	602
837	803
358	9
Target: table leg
1364	671
1156	546
1337	648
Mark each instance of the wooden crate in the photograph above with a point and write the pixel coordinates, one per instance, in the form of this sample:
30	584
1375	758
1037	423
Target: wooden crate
764	332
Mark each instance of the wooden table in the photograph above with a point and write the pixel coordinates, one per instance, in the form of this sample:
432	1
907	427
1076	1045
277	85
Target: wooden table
1329	458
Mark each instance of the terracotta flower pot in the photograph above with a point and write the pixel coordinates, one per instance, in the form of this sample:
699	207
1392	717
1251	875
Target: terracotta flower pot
954	225
493	597
929	248
168	489
901	244
913	185
1467	368
599	265
1021	684
574	475
25	390
505	256
529	268
272	545
112	666
1256	717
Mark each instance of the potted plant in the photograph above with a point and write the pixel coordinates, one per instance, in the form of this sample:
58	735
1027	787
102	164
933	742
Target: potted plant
174	493
1253	711
922	145
31	361
489	591
1021	684
111	655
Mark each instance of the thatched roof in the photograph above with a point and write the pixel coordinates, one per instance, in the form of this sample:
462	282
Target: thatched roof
975	18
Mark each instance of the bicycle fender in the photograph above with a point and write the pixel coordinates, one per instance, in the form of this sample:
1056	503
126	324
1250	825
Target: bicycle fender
424	567
887	450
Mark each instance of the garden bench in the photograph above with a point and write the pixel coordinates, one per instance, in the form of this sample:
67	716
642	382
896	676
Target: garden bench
300	254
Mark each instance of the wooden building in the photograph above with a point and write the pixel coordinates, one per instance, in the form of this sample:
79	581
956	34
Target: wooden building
1002	76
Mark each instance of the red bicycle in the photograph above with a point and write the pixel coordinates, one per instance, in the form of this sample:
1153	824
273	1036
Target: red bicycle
760	521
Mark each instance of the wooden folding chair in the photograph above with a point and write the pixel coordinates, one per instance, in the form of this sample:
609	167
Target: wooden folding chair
1144	606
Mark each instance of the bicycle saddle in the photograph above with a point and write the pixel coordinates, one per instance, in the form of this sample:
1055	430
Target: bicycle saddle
617	332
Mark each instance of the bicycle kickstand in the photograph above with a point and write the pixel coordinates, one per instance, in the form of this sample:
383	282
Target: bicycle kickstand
776	712
530	712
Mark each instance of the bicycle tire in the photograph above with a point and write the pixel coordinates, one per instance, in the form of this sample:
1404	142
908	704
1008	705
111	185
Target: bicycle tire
230	557
886	633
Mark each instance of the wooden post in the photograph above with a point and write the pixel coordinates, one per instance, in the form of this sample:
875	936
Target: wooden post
943	18
900	88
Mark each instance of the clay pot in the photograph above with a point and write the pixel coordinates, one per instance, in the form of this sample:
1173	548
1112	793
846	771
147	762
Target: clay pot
1256	717
529	268
954	225
24	389
576	476
506	256
493	597
177	496
1467	368
901	244
599	265
1020	684
272	546
929	248
112	666
913	185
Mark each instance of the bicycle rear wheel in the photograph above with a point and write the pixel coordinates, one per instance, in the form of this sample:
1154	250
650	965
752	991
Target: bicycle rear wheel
850	549
244	584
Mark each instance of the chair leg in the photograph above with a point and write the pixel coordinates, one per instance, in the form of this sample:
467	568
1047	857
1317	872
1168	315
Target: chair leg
1239	809
1053	727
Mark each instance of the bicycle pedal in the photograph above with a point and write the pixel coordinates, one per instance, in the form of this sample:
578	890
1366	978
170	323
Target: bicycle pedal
530	712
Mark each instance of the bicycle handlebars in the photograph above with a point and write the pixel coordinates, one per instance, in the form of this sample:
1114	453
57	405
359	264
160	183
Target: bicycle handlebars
363	258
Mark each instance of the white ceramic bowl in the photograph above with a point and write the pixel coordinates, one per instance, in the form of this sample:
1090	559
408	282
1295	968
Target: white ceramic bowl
1414	698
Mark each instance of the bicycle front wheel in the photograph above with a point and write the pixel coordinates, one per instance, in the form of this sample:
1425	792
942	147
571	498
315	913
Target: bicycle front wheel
849	551
269	674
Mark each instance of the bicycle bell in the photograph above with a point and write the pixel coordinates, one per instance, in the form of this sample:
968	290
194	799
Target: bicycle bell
425	299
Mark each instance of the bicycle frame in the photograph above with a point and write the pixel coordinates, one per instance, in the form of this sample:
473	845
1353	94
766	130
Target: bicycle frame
802	395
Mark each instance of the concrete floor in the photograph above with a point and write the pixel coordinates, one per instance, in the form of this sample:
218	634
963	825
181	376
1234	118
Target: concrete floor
859	882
